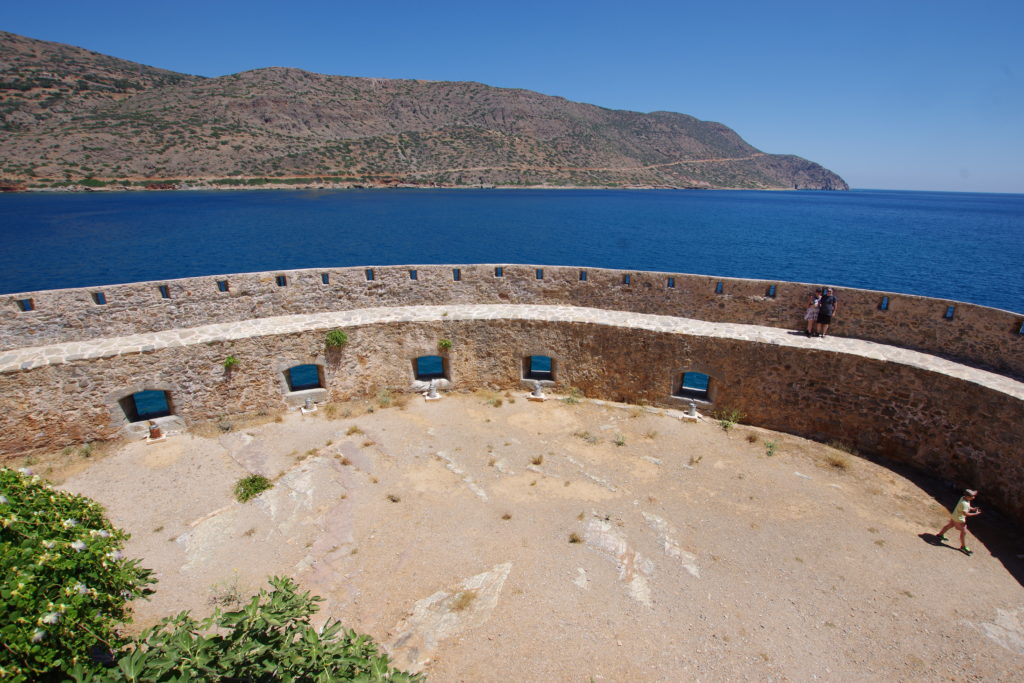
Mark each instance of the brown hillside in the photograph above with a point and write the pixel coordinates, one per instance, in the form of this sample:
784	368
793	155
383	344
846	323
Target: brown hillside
72	114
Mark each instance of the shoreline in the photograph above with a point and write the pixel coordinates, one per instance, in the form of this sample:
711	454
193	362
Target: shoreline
246	184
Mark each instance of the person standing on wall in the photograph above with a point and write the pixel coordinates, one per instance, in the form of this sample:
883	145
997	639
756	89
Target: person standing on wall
958	518
811	314
826	311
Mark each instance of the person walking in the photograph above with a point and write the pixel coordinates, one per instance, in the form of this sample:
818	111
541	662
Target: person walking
826	310
958	518
811	314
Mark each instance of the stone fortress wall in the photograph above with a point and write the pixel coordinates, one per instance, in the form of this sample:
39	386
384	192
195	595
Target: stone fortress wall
986	337
905	383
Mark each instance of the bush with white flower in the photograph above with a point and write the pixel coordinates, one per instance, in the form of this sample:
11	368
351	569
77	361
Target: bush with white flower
64	583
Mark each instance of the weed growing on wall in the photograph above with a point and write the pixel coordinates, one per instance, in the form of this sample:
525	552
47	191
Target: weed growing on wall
251	486
64	582
770	447
336	339
444	345
230	362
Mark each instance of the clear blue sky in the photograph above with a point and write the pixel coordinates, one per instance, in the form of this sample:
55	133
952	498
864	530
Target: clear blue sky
901	94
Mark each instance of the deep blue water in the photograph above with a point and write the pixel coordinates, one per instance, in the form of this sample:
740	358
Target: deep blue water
968	247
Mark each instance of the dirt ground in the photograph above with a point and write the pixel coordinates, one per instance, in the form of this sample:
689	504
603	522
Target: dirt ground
484	537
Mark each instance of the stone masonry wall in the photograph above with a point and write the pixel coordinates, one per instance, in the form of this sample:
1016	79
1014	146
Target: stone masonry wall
986	337
948	427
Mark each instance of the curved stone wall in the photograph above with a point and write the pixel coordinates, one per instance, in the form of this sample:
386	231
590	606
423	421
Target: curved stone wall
941	417
981	336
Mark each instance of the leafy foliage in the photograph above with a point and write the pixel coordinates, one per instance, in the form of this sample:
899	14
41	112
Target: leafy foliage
444	344
230	362
336	339
270	639
251	486
64	583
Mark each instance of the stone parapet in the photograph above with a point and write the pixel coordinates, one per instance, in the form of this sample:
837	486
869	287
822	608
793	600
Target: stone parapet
948	419
976	335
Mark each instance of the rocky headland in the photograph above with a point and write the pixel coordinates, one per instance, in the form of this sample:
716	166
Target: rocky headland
75	119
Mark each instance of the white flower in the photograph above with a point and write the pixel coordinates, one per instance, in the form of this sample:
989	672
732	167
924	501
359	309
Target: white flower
115	554
81	588
78	545
24	470
3	499
50	618
38	636
102	533
69	523
48	544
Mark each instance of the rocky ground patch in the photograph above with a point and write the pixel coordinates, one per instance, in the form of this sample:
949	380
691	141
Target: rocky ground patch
484	537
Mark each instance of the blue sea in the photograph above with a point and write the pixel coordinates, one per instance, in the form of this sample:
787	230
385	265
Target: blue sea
968	247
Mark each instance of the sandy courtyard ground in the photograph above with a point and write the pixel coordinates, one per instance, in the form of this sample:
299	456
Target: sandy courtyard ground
484	537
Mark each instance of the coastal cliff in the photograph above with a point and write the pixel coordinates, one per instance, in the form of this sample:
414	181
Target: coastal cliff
71	118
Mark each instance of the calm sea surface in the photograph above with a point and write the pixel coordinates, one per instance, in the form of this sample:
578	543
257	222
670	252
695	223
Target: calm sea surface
968	247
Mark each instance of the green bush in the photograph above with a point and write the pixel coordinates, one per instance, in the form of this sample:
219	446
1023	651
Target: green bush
444	345
336	339
251	486
230	362
64	583
270	639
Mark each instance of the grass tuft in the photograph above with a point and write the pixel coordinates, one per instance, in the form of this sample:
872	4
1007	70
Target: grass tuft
251	486
837	461
573	397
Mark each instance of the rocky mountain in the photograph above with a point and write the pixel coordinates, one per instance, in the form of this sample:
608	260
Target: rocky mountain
71	117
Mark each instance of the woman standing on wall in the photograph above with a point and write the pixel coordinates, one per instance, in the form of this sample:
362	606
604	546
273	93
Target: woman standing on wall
811	314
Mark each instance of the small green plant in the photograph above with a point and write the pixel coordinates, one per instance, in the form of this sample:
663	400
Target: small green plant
85	450
444	344
728	418
336	339
586	436
226	593
251	486
619	440
573	396
770	447
384	398
230	362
